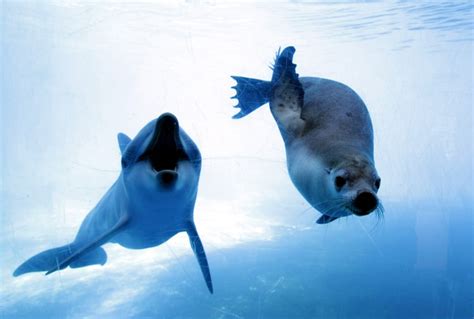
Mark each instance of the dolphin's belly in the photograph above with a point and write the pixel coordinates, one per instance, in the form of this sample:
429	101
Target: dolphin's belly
150	229
138	240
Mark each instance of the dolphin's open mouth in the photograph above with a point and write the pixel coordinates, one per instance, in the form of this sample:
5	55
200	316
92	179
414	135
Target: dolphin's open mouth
165	147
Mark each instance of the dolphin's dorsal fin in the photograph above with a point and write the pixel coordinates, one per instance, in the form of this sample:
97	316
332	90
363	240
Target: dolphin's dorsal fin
93	244
200	254
325	219
123	141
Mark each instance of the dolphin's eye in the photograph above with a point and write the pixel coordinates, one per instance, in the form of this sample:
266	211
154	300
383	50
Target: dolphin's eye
377	183
339	182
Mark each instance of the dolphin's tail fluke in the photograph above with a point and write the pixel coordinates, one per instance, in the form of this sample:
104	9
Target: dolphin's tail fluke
51	258
251	93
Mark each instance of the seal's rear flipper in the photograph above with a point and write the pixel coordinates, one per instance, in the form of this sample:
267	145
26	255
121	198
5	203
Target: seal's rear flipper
325	219
287	97
251	93
200	254
284	66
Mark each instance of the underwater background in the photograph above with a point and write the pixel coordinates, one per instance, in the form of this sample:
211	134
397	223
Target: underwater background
75	73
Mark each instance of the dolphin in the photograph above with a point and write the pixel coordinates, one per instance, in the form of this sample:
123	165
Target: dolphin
151	201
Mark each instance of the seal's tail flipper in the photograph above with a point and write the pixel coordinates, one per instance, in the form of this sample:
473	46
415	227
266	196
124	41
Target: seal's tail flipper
287	92
287	97
200	254
51	258
284	66
251	93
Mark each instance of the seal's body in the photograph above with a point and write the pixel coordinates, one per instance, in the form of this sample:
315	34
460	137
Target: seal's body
327	133
152	200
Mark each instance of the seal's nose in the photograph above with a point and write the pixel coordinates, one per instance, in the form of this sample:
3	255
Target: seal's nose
364	203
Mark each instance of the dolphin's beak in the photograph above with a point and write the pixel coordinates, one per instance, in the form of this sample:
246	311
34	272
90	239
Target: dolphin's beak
165	148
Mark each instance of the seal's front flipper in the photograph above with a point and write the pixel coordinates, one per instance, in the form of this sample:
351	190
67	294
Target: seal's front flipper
200	254
251	93
325	219
89	247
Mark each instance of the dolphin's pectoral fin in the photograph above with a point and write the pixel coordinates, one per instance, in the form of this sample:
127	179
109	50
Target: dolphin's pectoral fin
325	219
200	254
123	141
89	247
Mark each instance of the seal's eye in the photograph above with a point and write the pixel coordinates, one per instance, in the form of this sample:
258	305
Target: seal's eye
377	183
339	182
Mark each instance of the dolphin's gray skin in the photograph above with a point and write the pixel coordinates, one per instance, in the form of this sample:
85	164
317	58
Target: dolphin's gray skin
151	201
328	137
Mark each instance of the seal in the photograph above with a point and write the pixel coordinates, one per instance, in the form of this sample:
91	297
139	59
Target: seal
328	137
151	201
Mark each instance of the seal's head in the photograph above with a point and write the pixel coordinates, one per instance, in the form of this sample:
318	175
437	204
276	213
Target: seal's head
337	185
353	185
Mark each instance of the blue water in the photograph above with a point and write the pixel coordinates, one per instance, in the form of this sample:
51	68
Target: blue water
76	73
